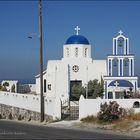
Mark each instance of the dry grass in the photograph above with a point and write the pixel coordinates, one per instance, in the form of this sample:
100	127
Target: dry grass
122	125
94	120
90	119
125	123
135	117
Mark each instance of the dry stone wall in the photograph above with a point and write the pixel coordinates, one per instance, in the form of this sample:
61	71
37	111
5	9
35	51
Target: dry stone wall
14	113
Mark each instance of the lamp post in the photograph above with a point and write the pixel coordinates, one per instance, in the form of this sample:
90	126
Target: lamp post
41	62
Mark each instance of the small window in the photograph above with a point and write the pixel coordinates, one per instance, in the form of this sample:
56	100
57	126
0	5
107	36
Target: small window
45	85
49	86
76	52
75	68
85	52
136	104
67	52
110	95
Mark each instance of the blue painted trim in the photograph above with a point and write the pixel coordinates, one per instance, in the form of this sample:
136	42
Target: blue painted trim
135	86
122	82
120	67
105	90
126	46
115	47
121	55
131	67
109	67
120	76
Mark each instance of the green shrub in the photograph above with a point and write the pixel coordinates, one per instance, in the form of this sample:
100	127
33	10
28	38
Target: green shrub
5	84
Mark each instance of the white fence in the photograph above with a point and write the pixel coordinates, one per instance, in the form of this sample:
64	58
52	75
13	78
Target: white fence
92	106
32	102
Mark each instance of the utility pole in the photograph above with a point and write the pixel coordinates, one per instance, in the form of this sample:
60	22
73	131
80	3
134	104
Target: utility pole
87	84
86	91
41	62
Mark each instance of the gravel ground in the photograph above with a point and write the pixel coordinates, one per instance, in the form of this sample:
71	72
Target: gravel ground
92	127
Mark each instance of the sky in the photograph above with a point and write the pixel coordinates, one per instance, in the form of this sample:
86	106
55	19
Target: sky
99	21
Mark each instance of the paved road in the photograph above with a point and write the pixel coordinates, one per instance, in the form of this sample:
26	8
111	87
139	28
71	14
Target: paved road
17	130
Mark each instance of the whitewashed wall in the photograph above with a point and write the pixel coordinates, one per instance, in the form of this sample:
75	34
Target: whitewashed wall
92	106
32	102
32	87
38	82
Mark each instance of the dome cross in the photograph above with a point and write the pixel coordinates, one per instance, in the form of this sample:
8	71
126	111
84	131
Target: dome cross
77	29
120	32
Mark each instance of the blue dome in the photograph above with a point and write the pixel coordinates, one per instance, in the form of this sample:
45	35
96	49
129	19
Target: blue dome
77	39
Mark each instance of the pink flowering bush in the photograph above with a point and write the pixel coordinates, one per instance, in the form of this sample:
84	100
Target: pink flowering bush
110	112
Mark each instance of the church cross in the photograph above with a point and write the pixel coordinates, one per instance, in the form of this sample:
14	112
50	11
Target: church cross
116	84
120	32
77	29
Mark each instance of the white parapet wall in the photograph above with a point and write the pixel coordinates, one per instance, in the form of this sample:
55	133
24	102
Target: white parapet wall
32	102
89	107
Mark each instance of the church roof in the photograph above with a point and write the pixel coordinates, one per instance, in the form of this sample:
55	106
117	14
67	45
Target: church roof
77	39
44	72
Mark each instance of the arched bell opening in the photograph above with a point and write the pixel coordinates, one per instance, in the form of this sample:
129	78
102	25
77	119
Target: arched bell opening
126	67
115	67
120	46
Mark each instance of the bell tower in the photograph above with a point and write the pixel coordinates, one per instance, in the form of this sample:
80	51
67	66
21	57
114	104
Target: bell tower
120	42
121	57
120	65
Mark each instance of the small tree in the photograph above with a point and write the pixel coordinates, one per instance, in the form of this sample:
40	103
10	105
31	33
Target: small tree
77	91
13	88
5	84
91	86
0	87
95	88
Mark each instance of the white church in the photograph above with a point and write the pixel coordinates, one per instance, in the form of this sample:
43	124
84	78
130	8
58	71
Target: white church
77	66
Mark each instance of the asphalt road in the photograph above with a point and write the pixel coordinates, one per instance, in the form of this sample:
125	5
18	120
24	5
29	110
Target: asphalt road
17	130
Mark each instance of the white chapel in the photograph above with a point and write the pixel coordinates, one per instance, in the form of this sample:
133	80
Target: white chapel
76	66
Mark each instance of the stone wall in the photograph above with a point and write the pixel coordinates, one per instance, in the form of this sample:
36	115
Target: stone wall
52	105
15	113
